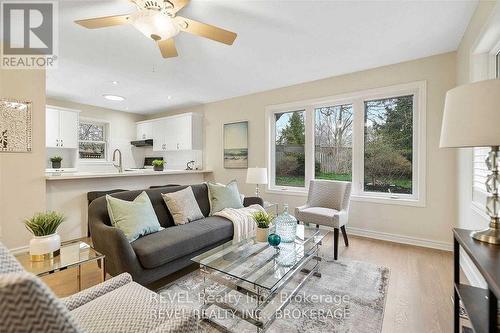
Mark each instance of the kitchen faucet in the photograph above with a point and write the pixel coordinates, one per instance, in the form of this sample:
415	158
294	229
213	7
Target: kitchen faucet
120	165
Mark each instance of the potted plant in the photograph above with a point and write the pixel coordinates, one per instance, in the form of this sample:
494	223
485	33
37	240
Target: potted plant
263	221
158	165
56	162
46	242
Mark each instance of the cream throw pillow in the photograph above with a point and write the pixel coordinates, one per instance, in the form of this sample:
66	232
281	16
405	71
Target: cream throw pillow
183	206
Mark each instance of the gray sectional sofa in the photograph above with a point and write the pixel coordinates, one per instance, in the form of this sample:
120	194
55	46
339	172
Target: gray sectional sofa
157	255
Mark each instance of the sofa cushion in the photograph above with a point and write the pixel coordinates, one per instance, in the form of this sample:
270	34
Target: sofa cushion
175	242
182	206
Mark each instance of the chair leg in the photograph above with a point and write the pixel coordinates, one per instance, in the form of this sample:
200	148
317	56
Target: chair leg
344	233
317	226
335	243
298	222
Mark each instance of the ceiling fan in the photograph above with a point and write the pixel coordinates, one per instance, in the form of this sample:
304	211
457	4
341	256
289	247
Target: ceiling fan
158	20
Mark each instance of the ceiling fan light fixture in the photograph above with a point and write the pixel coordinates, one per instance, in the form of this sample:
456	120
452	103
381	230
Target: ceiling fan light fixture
154	24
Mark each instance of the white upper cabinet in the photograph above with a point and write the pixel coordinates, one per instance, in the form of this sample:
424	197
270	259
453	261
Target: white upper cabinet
61	128
182	132
144	130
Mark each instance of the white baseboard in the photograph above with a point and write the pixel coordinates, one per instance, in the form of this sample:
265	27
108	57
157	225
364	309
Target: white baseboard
401	239
475	278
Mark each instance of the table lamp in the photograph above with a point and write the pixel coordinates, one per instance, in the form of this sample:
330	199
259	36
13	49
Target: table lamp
257	176
472	119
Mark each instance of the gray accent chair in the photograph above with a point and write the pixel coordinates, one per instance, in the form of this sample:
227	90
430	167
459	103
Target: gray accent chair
117	305
155	256
327	205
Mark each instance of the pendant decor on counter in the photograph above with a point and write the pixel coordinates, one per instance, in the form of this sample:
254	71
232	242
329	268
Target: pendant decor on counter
15	126
286	226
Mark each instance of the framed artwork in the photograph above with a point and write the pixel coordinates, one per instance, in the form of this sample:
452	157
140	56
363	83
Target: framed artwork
236	145
15	126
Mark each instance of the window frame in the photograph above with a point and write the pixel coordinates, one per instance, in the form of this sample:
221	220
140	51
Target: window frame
105	125
357	99
479	194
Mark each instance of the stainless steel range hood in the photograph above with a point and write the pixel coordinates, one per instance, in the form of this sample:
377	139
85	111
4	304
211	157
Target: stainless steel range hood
142	143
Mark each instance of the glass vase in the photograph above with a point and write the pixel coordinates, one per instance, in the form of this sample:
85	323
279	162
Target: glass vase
286	226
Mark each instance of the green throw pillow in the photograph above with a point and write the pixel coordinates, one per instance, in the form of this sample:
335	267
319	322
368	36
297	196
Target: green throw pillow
135	218
223	196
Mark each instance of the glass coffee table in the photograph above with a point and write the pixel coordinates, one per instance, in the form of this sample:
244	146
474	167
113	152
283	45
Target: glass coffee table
259	273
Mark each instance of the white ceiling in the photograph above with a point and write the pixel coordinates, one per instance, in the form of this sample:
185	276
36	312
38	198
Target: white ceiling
280	43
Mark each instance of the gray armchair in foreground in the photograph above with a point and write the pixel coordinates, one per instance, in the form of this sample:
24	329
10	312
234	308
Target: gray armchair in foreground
117	305
328	205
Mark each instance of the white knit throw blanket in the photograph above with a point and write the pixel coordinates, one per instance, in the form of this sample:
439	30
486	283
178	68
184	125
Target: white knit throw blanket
243	222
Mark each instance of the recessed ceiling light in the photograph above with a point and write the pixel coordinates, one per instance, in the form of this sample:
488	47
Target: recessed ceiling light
169	97
114	97
115	82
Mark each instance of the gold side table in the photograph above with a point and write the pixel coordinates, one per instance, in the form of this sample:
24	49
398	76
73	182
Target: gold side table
72	254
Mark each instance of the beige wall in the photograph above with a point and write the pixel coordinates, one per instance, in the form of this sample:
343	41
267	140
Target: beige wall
22	182
432	223
122	129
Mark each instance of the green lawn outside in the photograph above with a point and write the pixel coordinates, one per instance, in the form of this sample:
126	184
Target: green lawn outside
298	181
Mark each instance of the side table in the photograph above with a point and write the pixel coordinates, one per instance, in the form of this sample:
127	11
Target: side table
73	254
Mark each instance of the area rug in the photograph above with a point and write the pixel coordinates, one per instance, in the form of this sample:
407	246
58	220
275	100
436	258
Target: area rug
349	297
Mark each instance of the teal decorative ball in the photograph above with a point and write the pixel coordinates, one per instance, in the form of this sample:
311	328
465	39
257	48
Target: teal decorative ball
274	240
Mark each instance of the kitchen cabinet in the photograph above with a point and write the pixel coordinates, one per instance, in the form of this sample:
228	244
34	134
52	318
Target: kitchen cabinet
181	132
61	128
144	130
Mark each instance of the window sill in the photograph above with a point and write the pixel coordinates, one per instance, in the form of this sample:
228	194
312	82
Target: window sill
100	162
389	201
295	192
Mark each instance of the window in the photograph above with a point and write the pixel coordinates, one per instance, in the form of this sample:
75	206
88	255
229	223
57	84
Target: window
92	140
289	149
333	142
388	145
479	168
374	138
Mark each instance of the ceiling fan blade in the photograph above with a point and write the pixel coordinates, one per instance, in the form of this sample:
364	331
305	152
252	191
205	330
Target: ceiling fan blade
206	30
167	48
178	4
102	22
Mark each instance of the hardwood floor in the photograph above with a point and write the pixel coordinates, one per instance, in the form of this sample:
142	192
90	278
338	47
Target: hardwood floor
420	283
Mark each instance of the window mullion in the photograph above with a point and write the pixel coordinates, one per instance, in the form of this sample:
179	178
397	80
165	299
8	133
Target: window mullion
358	146
309	144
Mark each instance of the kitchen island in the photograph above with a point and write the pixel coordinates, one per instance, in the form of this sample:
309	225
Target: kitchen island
67	191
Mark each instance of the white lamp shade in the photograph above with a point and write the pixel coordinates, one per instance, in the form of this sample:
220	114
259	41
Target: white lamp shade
257	176
472	115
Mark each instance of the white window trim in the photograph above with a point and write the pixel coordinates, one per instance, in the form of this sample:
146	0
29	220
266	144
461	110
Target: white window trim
107	125
484	67
418	89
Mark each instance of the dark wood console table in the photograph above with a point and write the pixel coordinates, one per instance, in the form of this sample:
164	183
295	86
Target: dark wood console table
480	304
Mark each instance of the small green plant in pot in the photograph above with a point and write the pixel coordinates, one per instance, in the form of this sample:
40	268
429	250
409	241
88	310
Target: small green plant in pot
263	221
158	165
56	162
46	242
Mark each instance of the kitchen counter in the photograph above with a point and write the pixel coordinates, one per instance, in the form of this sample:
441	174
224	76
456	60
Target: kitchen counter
127	173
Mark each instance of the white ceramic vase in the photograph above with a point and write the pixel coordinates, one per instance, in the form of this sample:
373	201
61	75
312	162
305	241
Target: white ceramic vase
261	234
44	247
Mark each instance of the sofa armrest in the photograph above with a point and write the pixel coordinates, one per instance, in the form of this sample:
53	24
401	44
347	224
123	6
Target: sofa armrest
85	296
248	201
111	241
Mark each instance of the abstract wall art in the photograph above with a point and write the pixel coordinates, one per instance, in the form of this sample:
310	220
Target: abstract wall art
15	126
236	145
